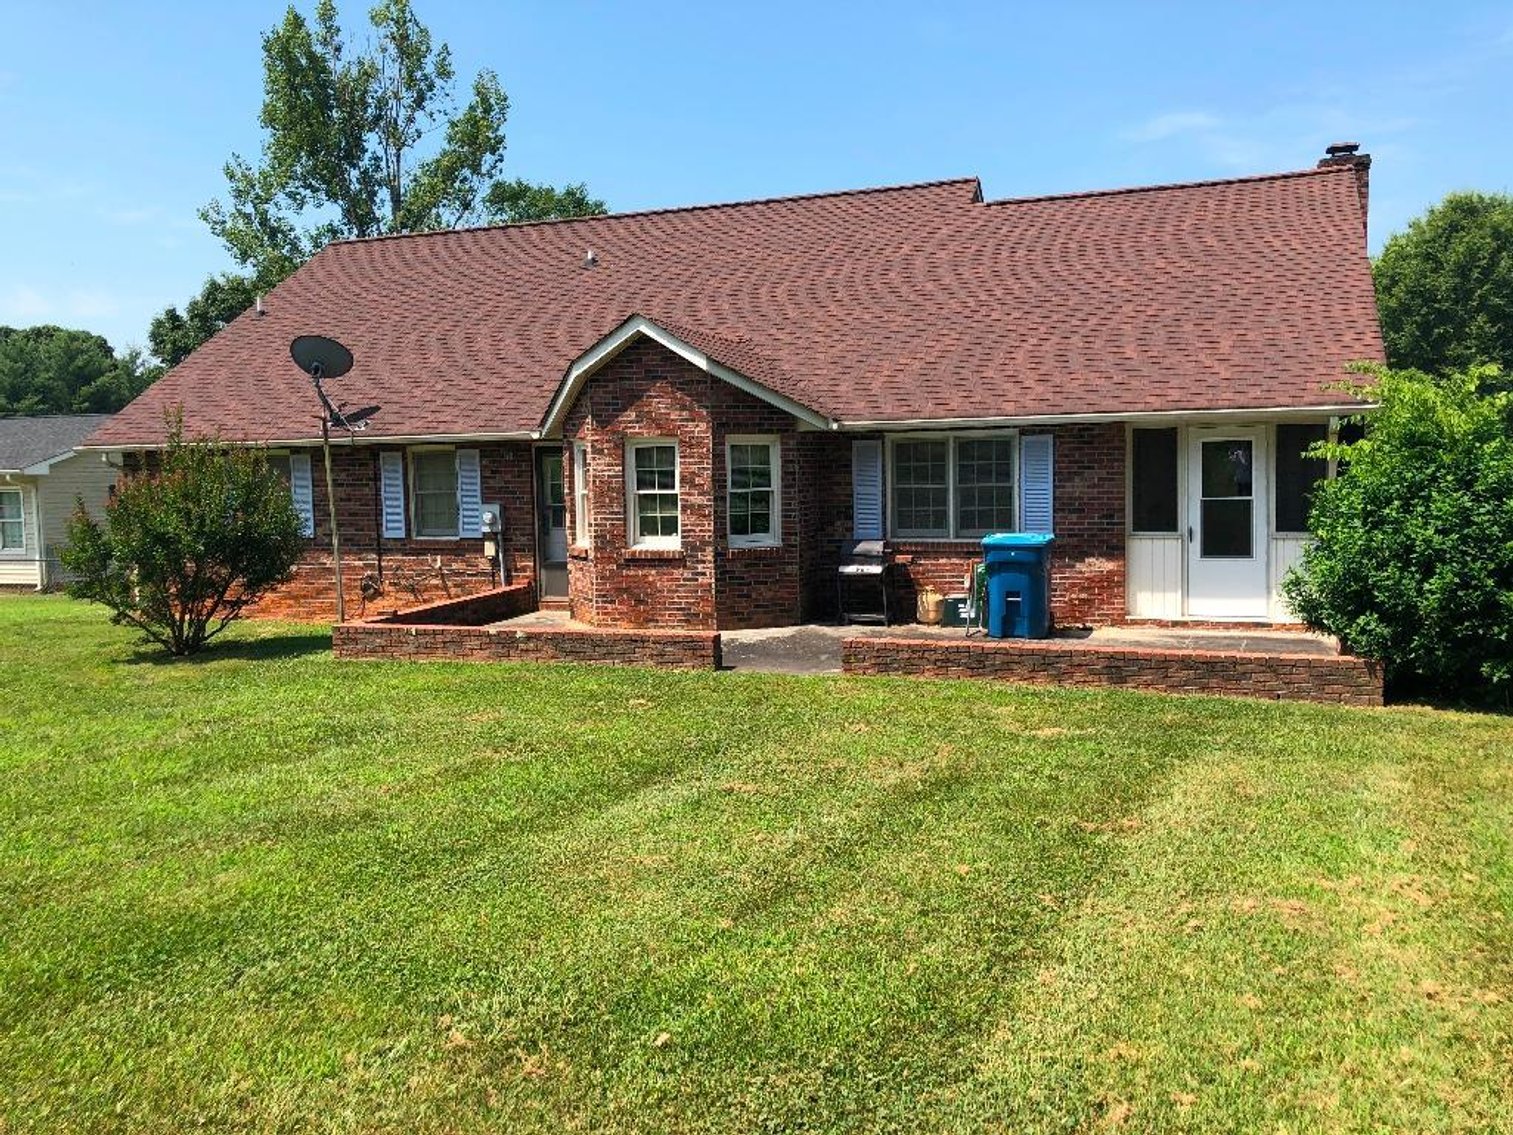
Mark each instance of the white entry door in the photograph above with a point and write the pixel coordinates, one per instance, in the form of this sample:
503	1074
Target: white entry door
1226	534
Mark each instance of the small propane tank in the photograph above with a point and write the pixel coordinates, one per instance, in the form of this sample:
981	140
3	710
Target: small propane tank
930	607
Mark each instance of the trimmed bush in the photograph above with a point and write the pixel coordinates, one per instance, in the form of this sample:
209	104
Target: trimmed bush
185	547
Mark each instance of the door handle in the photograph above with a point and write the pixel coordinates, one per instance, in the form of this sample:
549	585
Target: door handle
1189	533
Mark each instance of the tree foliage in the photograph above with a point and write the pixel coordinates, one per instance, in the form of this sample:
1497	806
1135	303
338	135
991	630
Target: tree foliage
361	143
172	336
55	370
513	202
1445	287
1412	560
184	548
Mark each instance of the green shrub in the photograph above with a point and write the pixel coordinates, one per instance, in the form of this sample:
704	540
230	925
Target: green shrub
1412	561
186	546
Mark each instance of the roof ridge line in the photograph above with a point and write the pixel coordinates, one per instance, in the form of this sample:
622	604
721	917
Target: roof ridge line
1170	185
781	198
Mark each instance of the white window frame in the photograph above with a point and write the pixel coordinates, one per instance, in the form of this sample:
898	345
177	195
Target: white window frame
890	482
583	533
413	469
772	538
20	519
632	515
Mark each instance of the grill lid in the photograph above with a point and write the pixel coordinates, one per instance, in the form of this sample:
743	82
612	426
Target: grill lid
868	549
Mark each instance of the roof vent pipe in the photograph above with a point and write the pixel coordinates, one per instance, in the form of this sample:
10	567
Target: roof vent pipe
590	260
257	304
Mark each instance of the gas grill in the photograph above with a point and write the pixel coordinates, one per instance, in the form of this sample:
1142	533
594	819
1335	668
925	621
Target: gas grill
862	583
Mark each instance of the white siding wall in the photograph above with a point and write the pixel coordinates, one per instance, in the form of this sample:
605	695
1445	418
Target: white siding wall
1286	550
1156	564
20	569
84	476
1154	577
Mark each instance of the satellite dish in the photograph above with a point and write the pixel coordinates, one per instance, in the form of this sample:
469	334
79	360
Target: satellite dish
320	357
358	419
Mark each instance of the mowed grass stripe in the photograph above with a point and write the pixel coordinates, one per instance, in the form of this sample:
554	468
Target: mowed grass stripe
290	894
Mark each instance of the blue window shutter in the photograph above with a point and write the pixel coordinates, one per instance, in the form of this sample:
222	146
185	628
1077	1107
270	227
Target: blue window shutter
392	490
302	492
867	490
469	494
1037	475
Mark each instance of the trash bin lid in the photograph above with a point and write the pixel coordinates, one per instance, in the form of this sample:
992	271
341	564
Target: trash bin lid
1017	540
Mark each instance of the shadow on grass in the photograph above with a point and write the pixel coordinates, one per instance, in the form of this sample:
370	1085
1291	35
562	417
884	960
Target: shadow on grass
268	648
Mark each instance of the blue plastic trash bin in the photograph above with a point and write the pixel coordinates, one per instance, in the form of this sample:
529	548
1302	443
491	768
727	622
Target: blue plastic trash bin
1019	584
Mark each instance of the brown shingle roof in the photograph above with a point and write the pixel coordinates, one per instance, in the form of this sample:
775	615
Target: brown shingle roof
919	302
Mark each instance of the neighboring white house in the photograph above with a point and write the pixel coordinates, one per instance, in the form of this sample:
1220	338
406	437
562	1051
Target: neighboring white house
41	479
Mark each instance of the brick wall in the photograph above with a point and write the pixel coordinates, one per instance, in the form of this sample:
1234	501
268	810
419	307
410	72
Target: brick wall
683	650
756	587
824	517
402	573
649	392
1343	679
1088	558
471	610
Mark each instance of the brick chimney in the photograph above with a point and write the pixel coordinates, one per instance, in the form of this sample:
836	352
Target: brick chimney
1348	154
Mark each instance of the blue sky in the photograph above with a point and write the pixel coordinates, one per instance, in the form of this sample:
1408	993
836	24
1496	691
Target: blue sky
115	119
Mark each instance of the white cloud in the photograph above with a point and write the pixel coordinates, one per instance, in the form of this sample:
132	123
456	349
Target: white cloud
1169	125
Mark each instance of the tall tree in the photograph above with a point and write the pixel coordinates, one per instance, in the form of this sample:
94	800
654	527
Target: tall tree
1444	286
56	370
361	143
172	336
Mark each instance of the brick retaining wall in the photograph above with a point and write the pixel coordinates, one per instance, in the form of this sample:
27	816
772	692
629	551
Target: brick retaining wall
470	610
1339	679
681	650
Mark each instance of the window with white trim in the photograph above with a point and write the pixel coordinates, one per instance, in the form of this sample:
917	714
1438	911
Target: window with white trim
984	485
753	504
281	464
581	535
652	465
947	488
12	522
434	492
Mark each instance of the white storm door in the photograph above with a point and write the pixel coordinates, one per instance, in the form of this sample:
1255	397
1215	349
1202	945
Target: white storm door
1226	534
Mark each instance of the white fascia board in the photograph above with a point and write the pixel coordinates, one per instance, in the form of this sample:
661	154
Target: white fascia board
1269	413
638	325
41	468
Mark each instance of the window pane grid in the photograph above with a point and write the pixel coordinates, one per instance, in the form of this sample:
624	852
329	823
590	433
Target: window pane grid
985	486
12	526
655	478
974	477
580	493
921	491
752	491
435	494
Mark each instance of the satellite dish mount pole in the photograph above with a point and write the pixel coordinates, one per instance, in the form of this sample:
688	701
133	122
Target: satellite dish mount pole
325	444
323	358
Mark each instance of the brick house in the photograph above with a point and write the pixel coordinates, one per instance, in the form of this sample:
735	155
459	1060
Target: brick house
684	417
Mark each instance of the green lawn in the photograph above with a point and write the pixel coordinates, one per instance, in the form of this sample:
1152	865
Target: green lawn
266	891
